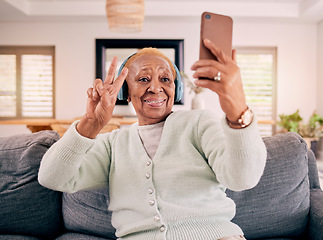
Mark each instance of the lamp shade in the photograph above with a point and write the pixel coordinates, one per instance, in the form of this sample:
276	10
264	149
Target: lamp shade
125	15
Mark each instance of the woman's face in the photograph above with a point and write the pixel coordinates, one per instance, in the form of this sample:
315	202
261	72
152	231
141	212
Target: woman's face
151	88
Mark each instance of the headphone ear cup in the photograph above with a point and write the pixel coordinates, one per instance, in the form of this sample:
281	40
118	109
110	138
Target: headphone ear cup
123	92
179	86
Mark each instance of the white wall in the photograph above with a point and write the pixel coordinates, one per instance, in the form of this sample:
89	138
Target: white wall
75	57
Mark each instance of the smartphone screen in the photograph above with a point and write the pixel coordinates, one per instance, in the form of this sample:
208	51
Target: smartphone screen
218	29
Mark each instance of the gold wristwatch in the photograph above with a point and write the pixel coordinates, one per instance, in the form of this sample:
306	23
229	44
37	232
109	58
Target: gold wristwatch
244	121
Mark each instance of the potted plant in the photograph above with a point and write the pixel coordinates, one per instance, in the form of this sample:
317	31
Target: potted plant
197	101
290	123
311	131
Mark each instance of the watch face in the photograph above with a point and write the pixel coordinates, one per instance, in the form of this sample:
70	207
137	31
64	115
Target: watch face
247	117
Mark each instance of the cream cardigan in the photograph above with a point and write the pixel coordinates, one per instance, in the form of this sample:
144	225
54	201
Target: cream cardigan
177	195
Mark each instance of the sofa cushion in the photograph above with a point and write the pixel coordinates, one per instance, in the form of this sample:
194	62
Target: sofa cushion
27	208
280	239
17	237
279	205
79	236
87	212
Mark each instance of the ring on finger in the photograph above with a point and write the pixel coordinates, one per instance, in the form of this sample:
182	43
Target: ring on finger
217	78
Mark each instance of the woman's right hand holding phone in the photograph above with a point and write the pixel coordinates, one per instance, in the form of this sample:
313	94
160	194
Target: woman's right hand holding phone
229	88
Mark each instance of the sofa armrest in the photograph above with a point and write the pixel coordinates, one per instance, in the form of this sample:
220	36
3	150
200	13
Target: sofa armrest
312	170
315	227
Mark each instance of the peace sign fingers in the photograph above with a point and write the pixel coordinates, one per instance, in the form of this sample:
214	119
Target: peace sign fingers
111	72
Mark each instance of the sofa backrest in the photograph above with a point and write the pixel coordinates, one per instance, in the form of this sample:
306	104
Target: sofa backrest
27	208
279	205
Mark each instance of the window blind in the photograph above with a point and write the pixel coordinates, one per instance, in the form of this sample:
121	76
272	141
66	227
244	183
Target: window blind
257	66
27	82
37	85
7	85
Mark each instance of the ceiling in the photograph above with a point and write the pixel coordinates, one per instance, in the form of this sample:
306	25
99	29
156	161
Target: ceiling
307	11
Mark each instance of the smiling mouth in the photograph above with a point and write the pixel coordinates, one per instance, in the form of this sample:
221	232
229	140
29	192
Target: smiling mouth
155	102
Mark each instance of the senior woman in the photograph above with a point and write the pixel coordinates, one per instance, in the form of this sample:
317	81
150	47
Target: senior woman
166	174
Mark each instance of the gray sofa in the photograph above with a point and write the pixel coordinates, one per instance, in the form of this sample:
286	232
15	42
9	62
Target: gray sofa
286	204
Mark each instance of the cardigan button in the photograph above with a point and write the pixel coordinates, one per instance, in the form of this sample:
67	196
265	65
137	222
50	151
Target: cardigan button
152	202
148	163
156	218
162	228
147	175
150	191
